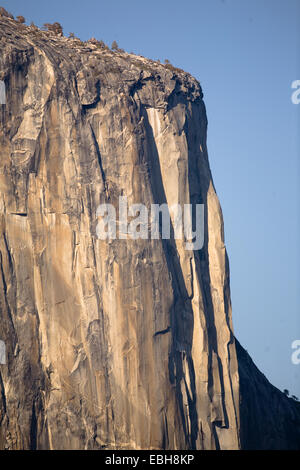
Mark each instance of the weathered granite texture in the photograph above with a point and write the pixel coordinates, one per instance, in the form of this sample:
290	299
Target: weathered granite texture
121	344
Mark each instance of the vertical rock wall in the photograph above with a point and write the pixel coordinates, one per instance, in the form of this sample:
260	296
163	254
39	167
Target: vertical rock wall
123	344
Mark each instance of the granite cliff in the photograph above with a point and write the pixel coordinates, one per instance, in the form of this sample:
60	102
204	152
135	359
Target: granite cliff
119	344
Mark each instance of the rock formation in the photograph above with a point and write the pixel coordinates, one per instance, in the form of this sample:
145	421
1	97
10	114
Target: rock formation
114	344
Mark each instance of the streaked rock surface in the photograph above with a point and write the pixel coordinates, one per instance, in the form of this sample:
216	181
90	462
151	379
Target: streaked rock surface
126	344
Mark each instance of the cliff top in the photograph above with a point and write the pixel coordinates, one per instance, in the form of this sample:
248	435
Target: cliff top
90	57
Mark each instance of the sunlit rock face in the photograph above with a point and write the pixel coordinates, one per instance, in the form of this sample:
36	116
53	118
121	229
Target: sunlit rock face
112	344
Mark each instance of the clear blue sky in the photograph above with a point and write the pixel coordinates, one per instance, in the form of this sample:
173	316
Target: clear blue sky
245	53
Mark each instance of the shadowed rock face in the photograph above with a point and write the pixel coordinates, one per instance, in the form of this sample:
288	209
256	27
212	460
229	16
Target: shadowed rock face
269	419
120	344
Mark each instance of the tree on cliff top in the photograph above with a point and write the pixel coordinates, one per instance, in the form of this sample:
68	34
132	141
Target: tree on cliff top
55	28
4	12
21	19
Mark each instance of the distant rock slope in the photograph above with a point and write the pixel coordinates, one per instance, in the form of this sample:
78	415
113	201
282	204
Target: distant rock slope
269	419
114	344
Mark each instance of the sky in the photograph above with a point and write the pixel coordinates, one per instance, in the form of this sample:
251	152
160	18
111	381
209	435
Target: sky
245	54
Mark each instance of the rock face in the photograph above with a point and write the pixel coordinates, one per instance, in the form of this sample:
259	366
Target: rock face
114	344
269	419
